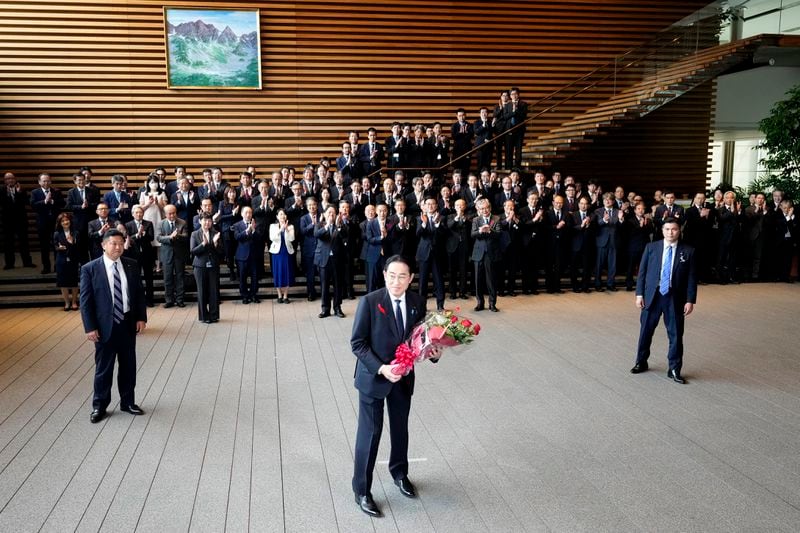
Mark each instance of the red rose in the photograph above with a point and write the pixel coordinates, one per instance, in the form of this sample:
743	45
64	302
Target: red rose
466	323
477	329
453	319
381	309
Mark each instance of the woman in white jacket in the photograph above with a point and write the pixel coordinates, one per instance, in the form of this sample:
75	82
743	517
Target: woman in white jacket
281	236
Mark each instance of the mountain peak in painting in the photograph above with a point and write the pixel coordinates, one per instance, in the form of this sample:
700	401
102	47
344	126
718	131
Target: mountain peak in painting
202	55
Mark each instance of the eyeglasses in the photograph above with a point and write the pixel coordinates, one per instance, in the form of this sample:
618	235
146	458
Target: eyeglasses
397	277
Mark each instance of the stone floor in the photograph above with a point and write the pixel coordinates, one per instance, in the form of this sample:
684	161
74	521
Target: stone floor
537	426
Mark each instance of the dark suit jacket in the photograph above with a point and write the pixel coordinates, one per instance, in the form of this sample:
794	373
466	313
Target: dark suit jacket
114	212
95	237
487	245
368	163
97	305
431	238
638	236
462	142
515	118
142	249
396	151
483	131
683	279
13	210
606	233
419	156
375	338
329	246
81	216
581	236
458	233
186	210
204	254
247	241
374	243
46	213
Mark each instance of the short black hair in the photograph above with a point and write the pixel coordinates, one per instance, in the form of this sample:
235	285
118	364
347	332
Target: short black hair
112	233
397	259
670	220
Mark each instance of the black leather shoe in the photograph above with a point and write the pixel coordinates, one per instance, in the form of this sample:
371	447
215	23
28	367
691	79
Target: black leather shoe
638	368
406	487
493	308
339	313
168	305
478	308
612	289
245	301
367	505
208	321
463	296
675	376
181	305
324	314
256	300
132	409
97	415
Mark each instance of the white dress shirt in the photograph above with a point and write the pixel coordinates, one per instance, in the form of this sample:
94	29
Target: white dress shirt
110	273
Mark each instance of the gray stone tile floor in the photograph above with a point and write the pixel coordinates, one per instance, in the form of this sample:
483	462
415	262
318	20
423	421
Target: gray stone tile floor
537	426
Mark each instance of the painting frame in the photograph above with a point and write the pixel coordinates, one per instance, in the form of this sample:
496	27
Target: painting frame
183	73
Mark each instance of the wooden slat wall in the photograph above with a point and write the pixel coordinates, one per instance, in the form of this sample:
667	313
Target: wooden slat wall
668	148
83	82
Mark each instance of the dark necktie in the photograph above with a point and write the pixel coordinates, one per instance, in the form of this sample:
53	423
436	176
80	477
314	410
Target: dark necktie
398	317
119	313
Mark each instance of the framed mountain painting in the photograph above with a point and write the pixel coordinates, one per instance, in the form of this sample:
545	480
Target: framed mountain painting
212	48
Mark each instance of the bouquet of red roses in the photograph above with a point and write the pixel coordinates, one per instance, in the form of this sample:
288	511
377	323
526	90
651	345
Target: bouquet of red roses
439	330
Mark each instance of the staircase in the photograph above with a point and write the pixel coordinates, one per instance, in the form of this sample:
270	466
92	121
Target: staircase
644	97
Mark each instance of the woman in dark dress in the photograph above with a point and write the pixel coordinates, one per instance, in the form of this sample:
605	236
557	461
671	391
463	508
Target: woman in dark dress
229	210
281	235
65	242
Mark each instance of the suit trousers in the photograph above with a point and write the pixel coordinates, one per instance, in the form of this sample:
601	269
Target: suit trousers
368	436
428	269
45	233
673	322
121	346
207	279
634	258
374	277
15	230
331	274
173	280
484	281
248	270
458	270
606	255
310	270
581	261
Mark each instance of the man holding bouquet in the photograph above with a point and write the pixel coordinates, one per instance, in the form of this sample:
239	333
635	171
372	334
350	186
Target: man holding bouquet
384	319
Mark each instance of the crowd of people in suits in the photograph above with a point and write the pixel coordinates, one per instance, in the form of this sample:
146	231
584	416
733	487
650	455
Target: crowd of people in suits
465	232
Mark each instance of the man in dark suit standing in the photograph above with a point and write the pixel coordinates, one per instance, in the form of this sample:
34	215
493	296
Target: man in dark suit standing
82	201
329	259
173	252
483	139
431	232
640	233
606	221
515	114
205	247
383	320
15	222
459	227
247	237
558	229
669	209
485	253
666	286
140	233
47	203
113	312
462	133
370	154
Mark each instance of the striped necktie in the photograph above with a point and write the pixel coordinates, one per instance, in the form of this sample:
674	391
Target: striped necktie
119	313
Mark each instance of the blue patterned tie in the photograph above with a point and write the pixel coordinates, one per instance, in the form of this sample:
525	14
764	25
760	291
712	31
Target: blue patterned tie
119	313
398	317
666	271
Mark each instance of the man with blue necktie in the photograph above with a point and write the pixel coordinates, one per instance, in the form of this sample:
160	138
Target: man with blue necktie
113	312
667	285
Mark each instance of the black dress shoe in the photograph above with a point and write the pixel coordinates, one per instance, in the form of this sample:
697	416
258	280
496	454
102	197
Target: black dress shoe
612	289
208	321
479	307
439	309
45	271
245	301
406	487
168	305
8	267
280	300
493	308
324	314
367	505
310	298
97	415
181	304
132	409
675	376
638	368
463	296
339	313
256	300
535	292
